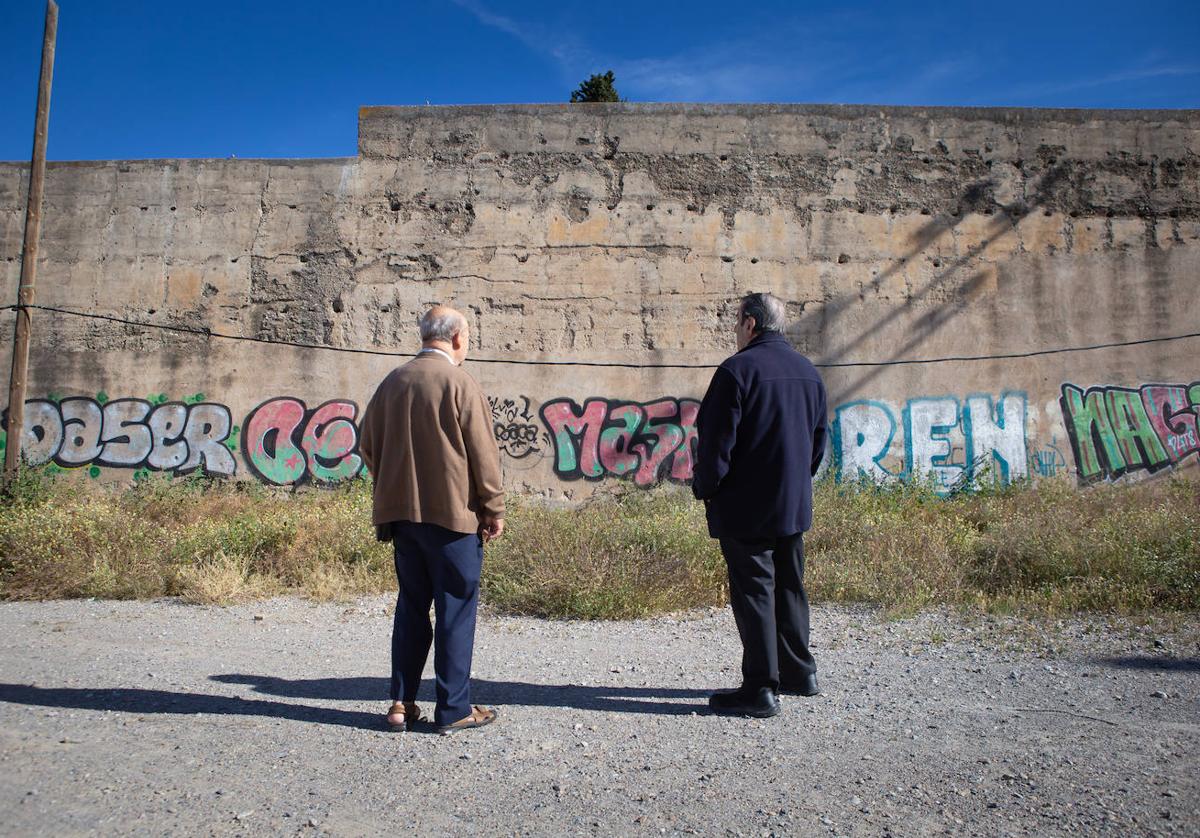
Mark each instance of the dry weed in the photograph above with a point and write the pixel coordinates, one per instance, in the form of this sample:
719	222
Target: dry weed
628	554
221	579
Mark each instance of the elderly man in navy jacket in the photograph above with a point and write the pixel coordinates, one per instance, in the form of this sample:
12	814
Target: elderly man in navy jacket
761	430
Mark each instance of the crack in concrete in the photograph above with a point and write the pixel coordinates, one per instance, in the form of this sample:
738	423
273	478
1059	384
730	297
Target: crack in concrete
262	214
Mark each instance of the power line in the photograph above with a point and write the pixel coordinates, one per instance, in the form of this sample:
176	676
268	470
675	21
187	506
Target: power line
1011	355
209	333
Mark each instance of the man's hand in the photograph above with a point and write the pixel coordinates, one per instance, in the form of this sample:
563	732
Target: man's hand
491	527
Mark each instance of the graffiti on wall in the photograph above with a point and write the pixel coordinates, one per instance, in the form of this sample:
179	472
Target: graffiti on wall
1047	461
283	443
644	441
945	440
153	434
949	441
286	443
517	433
1119	430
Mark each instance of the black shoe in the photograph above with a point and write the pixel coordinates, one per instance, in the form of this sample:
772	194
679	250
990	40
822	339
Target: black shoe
759	703
806	686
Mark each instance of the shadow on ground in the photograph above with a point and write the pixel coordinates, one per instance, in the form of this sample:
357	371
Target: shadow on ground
649	700
134	700
1147	662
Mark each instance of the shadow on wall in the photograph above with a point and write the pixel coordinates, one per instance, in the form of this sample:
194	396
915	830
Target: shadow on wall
823	320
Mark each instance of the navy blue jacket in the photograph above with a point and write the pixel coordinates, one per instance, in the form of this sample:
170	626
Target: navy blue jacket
761	435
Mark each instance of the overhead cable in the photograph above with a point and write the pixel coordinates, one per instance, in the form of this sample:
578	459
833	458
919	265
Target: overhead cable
209	333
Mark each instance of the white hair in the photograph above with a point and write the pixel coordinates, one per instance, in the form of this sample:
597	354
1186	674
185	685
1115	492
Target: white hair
768	312
442	326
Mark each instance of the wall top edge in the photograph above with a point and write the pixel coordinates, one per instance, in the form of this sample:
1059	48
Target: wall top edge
369	112
156	162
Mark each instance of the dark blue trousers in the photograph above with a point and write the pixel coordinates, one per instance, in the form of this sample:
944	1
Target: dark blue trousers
441	567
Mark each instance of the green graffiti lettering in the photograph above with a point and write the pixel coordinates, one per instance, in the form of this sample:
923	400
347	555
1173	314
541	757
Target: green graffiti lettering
1091	433
1134	432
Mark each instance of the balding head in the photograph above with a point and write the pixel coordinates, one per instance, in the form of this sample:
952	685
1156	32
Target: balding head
441	323
443	327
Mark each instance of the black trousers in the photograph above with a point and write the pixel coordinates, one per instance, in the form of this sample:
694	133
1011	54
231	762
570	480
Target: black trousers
770	605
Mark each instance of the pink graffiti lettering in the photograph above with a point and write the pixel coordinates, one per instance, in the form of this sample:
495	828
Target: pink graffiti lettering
645	442
668	436
330	441
270	449
286	443
685	457
565	423
1173	418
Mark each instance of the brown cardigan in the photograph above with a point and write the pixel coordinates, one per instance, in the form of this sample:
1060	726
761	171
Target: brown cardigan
427	440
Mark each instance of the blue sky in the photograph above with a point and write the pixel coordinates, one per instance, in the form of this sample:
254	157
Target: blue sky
135	79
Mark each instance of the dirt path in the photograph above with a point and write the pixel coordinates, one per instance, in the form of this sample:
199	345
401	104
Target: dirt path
164	719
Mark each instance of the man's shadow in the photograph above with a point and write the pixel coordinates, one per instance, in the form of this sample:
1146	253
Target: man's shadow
650	700
145	701
1149	662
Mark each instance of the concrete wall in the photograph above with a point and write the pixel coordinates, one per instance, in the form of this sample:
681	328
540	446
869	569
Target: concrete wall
626	233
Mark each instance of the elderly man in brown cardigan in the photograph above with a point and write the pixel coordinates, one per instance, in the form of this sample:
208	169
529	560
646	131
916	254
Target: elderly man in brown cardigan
427	441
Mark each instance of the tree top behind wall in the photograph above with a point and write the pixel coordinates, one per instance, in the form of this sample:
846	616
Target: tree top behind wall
597	88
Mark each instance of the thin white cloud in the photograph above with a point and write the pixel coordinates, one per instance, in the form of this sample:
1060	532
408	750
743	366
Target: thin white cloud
682	78
559	46
1129	74
716	74
887	81
796	61
810	59
504	24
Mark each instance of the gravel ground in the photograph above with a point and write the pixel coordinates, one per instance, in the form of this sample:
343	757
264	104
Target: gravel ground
165	719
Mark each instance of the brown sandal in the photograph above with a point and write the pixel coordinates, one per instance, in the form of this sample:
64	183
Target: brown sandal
403	715
480	716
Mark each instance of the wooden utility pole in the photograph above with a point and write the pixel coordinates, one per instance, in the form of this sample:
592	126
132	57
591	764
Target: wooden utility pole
29	254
